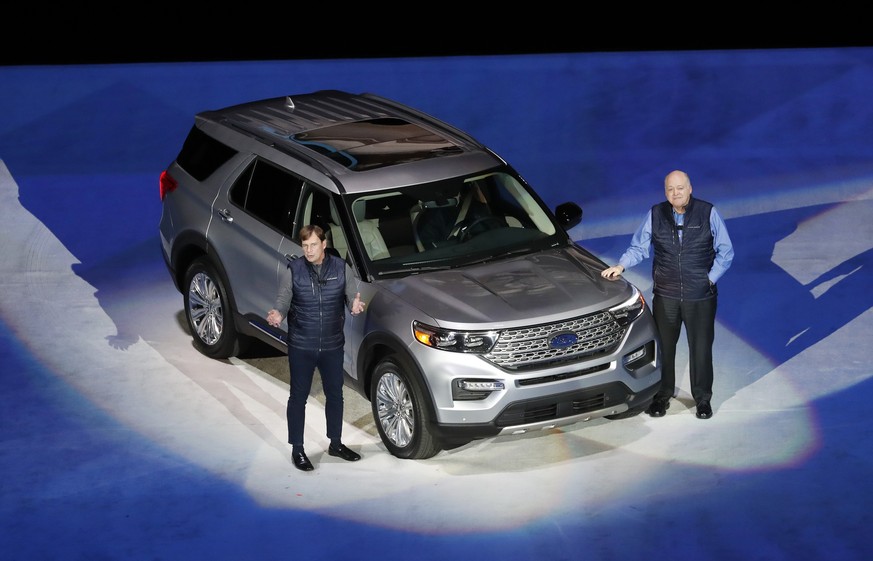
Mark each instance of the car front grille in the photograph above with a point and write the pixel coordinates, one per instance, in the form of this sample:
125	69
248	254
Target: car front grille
557	407
529	347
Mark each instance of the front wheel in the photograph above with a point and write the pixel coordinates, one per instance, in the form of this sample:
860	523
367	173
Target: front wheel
208	310
398	404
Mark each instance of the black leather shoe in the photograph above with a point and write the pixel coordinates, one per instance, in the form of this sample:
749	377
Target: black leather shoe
658	408
301	462
704	410
342	452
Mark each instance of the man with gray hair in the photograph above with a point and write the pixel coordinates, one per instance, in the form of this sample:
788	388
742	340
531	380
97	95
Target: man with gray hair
692	252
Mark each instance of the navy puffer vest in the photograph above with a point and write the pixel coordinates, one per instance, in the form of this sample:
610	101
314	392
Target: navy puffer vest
679	270
318	304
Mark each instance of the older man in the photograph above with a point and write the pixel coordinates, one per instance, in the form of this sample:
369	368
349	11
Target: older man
692	252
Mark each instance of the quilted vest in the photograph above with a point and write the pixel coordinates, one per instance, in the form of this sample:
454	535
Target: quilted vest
679	270
318	304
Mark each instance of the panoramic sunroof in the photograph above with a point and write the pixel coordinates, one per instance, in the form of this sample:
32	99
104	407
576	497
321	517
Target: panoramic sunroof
376	143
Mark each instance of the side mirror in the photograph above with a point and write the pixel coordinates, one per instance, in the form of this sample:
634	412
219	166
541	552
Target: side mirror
568	214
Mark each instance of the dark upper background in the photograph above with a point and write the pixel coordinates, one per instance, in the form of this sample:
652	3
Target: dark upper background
77	35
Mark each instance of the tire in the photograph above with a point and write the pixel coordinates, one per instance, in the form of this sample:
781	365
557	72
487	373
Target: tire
399	409
208	310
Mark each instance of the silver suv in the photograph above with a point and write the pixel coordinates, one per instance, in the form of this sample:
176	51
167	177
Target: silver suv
483	317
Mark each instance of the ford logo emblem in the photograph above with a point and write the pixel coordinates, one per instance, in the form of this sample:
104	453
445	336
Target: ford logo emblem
562	340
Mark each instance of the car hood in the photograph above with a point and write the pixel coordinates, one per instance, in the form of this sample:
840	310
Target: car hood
533	288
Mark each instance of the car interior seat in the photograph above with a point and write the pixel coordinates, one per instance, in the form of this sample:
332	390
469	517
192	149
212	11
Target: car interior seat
368	228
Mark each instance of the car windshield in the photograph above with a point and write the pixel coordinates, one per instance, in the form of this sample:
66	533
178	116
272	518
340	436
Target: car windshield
451	223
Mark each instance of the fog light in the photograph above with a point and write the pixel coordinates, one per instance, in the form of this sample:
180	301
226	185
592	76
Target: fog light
640	356
473	389
635	355
481	385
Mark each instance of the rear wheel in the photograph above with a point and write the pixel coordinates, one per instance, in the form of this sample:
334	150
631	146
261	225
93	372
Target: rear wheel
208	310
399	408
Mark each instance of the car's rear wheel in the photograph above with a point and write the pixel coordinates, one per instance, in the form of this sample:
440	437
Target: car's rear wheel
207	308
398	404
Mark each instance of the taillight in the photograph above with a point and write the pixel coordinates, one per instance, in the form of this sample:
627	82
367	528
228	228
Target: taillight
168	184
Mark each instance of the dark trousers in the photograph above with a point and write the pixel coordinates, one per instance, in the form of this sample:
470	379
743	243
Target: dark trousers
698	316
302	364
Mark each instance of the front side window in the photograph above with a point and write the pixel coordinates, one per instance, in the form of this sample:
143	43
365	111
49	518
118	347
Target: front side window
318	209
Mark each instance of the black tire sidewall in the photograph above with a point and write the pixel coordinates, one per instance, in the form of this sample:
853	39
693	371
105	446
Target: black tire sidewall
227	344
422	445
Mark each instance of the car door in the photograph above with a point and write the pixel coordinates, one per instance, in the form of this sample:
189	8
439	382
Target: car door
317	207
256	212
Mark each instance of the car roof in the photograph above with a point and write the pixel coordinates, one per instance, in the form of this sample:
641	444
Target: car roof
363	138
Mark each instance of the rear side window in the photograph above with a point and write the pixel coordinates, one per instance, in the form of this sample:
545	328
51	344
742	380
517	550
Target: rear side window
269	194
201	154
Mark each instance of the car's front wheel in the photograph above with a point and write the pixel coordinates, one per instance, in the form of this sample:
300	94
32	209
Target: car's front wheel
398	404
207	308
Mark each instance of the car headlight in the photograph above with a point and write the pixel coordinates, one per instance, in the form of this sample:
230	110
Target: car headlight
630	309
453	340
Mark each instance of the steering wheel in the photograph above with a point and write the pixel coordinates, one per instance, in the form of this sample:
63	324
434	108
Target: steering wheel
466	232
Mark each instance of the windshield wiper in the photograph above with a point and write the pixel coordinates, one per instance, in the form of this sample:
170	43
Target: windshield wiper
415	269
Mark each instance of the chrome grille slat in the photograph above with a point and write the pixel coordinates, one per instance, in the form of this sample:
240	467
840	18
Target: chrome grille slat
527	347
